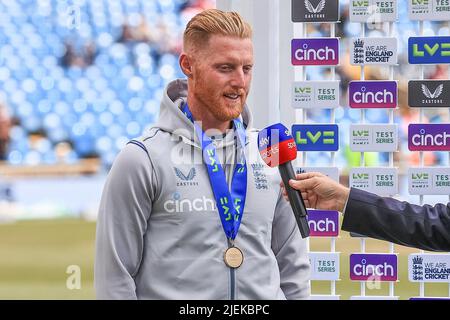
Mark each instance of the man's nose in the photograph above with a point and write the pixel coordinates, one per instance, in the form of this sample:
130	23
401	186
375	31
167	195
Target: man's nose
238	79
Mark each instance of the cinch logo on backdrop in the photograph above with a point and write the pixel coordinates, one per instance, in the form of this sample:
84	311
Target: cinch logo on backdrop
429	93
428	50
315	10
429	137
323	223
370	266
373	94
316	137
315	51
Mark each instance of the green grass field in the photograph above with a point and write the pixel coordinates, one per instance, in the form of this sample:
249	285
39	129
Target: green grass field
35	255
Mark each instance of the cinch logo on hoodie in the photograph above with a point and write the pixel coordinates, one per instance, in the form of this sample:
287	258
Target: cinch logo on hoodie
178	205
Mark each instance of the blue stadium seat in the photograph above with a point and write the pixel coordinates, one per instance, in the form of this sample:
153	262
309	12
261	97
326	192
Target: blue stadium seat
98	108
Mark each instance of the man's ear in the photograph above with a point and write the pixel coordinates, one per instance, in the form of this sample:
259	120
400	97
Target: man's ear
186	64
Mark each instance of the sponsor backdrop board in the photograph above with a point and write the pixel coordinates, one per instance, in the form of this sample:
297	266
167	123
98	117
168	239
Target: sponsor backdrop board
429	267
429	180
316	137
373	11
429	137
373	266
324	265
315	10
372	94
315	51
379	180
373	51
323	223
429	93
429	10
374	137
315	94
429	50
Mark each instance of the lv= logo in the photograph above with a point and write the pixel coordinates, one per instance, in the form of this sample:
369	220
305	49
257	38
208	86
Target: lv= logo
429	50
328	137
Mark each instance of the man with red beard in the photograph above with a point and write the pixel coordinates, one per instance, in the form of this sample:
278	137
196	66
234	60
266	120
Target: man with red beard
189	210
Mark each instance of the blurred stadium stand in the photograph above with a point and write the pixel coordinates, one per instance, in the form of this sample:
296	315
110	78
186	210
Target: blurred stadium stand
69	105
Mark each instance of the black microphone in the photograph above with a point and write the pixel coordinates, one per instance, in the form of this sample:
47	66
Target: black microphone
277	148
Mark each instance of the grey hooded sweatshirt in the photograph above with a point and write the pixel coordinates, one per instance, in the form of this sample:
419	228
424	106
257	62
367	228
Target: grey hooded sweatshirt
159	234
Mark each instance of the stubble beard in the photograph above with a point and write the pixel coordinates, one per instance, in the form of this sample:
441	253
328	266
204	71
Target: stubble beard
221	109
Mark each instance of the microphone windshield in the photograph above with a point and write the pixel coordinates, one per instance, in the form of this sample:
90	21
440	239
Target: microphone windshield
276	145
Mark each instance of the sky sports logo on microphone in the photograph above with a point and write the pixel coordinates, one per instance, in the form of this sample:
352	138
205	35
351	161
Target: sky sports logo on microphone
429	137
373	94
370	266
316	137
276	145
315	51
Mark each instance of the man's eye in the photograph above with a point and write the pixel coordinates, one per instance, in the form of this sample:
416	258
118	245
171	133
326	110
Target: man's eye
225	68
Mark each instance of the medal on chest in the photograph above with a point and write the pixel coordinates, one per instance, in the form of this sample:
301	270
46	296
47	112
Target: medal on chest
233	257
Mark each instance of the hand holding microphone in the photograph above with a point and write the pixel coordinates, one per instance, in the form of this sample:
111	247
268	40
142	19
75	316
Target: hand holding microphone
320	192
277	148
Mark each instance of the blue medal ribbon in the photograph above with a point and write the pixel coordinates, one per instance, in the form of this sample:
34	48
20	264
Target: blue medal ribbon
229	204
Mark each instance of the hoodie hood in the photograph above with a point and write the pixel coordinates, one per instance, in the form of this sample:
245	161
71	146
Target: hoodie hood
172	119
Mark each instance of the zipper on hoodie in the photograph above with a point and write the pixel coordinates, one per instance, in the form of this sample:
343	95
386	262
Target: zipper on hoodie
232	278
230	177
232	283
232	270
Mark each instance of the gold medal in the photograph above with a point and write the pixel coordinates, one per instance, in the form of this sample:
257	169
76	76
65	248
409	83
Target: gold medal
233	257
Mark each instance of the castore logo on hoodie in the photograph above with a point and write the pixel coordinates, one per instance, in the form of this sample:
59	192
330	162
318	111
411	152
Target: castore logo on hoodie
186	180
